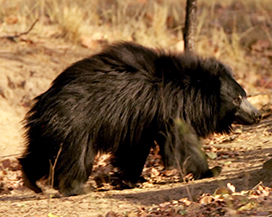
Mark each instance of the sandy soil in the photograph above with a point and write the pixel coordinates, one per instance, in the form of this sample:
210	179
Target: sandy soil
27	68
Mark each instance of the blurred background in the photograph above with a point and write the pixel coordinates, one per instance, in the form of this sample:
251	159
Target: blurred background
237	32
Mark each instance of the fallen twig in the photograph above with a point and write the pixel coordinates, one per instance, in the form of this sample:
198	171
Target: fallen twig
12	38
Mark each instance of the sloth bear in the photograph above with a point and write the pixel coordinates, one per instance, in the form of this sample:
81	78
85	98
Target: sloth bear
121	101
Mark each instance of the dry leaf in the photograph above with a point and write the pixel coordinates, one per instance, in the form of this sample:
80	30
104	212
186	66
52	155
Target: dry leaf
10	20
261	45
206	199
222	191
212	155
248	206
231	187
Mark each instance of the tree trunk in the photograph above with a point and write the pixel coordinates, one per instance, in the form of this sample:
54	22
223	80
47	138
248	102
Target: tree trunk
190	26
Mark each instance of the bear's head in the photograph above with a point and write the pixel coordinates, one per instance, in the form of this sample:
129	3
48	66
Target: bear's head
234	106
213	99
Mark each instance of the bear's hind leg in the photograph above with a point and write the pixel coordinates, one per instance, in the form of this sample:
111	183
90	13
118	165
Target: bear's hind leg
72	173
34	167
131	162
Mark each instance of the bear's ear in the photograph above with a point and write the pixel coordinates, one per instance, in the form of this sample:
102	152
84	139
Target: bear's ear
215	67
228	69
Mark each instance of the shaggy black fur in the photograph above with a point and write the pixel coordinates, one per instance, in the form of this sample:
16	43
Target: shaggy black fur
122	100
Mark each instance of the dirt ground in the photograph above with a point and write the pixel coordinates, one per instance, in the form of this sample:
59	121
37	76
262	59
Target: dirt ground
27	68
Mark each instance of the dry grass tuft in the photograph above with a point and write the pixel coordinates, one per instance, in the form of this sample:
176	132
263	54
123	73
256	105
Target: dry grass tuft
70	23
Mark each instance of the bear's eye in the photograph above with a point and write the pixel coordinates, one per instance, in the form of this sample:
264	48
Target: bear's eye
238	100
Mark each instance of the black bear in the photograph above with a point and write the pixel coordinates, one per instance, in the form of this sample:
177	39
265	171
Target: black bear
121	101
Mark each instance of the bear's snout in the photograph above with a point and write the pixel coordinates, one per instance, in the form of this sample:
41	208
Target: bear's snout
247	114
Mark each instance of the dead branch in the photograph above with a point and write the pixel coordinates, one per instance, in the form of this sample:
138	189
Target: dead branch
14	37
